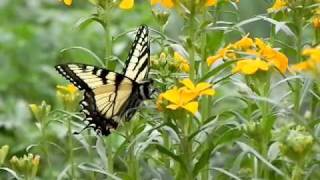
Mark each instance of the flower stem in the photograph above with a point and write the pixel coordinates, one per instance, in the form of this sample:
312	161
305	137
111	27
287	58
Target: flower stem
190	44
108	37
70	146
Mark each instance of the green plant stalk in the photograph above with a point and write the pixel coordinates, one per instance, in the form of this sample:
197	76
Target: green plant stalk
43	143
205	101
186	146
299	23
92	174
108	36
191	34
70	148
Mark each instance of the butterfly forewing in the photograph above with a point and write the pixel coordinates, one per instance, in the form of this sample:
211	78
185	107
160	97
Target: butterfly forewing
108	90
137	64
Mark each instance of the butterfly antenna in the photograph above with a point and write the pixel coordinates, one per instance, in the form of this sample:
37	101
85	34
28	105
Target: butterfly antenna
79	132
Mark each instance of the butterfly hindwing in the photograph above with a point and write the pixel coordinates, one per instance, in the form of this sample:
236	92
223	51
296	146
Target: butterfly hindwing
137	63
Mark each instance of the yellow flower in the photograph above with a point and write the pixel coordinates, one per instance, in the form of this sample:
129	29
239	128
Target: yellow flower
180	98
164	3
69	96
314	53
302	66
182	63
266	52
126	4
70	89
278	5
316	21
244	43
211	3
250	66
200	89
67	2
311	64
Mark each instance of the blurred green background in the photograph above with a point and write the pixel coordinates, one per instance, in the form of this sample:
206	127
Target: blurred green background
32	34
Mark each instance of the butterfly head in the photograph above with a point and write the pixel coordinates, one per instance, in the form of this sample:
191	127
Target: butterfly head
146	90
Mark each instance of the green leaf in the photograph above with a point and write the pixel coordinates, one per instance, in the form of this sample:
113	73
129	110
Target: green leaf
85	21
167	152
94	168
223	171
101	150
203	160
249	149
216	70
88	51
12	172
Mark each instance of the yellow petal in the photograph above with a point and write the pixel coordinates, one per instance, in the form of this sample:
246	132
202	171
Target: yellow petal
67	2
188	83
179	58
185	67
249	69
154	2
209	92
192	107
211	2
172	95
167	3
202	86
212	59
300	66
126	4
187	95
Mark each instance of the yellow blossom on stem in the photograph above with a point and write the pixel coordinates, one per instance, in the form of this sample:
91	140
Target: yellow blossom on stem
277	58
250	66
199	89
180	98
126	4
67	2
185	97
278	5
164	3
182	63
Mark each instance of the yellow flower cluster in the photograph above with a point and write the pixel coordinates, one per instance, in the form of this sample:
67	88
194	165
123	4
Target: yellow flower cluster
252	55
181	62
27	165
69	96
278	5
185	97
312	63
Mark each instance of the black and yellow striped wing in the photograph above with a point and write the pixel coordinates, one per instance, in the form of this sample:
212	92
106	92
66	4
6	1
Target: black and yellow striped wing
106	93
137	63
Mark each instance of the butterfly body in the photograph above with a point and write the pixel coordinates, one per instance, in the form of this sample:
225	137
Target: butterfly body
110	96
